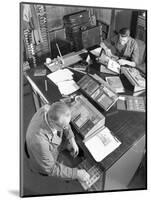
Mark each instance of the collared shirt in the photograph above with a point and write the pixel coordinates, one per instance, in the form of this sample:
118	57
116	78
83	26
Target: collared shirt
129	51
43	144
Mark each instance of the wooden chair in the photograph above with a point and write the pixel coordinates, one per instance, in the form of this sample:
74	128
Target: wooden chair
142	55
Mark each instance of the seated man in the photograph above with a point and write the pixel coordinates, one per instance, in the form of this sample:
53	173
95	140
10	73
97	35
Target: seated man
125	47
44	142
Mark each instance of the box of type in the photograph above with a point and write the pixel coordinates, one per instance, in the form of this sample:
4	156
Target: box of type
95	174
85	117
131	103
99	92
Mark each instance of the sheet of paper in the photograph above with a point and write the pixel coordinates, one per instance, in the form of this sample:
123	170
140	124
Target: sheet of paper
60	75
67	87
121	98
96	51
88	59
102	144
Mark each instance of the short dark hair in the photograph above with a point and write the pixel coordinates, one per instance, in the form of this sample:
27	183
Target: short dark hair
124	32
57	109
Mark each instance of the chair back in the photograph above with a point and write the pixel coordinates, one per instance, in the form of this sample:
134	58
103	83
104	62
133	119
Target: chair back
141	46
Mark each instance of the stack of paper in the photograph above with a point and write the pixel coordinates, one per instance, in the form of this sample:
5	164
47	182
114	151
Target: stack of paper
63	78
67	87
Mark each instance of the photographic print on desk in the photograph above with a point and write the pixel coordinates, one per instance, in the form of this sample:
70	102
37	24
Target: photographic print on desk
47	165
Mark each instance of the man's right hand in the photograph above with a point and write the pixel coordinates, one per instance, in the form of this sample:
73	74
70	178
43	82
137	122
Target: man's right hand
82	175
108	52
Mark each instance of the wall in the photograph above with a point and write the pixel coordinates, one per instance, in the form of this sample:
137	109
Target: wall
103	15
55	15
122	19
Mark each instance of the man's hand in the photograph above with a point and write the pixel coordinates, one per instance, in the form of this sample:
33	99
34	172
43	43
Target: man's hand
106	49
108	52
75	148
82	175
122	62
126	62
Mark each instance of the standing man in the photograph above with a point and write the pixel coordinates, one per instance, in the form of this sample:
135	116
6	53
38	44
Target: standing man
47	128
125	47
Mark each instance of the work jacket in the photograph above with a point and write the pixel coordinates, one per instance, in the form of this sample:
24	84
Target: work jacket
43	144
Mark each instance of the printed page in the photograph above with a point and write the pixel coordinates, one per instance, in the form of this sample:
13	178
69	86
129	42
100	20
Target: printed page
114	66
67	87
60	75
102	144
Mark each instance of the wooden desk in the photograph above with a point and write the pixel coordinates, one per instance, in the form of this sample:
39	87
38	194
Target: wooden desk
119	166
40	95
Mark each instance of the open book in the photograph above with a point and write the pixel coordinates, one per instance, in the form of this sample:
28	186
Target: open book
109	63
63	78
101	144
116	83
113	66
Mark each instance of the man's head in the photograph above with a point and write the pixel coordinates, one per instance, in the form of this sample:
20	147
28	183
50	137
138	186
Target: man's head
60	114
124	34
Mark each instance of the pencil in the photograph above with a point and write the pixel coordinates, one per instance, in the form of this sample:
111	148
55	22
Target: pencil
76	70
59	51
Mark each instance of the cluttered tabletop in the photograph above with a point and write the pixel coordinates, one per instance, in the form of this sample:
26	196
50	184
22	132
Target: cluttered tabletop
118	94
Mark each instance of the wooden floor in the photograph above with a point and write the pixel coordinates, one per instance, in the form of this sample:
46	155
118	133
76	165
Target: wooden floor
38	185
